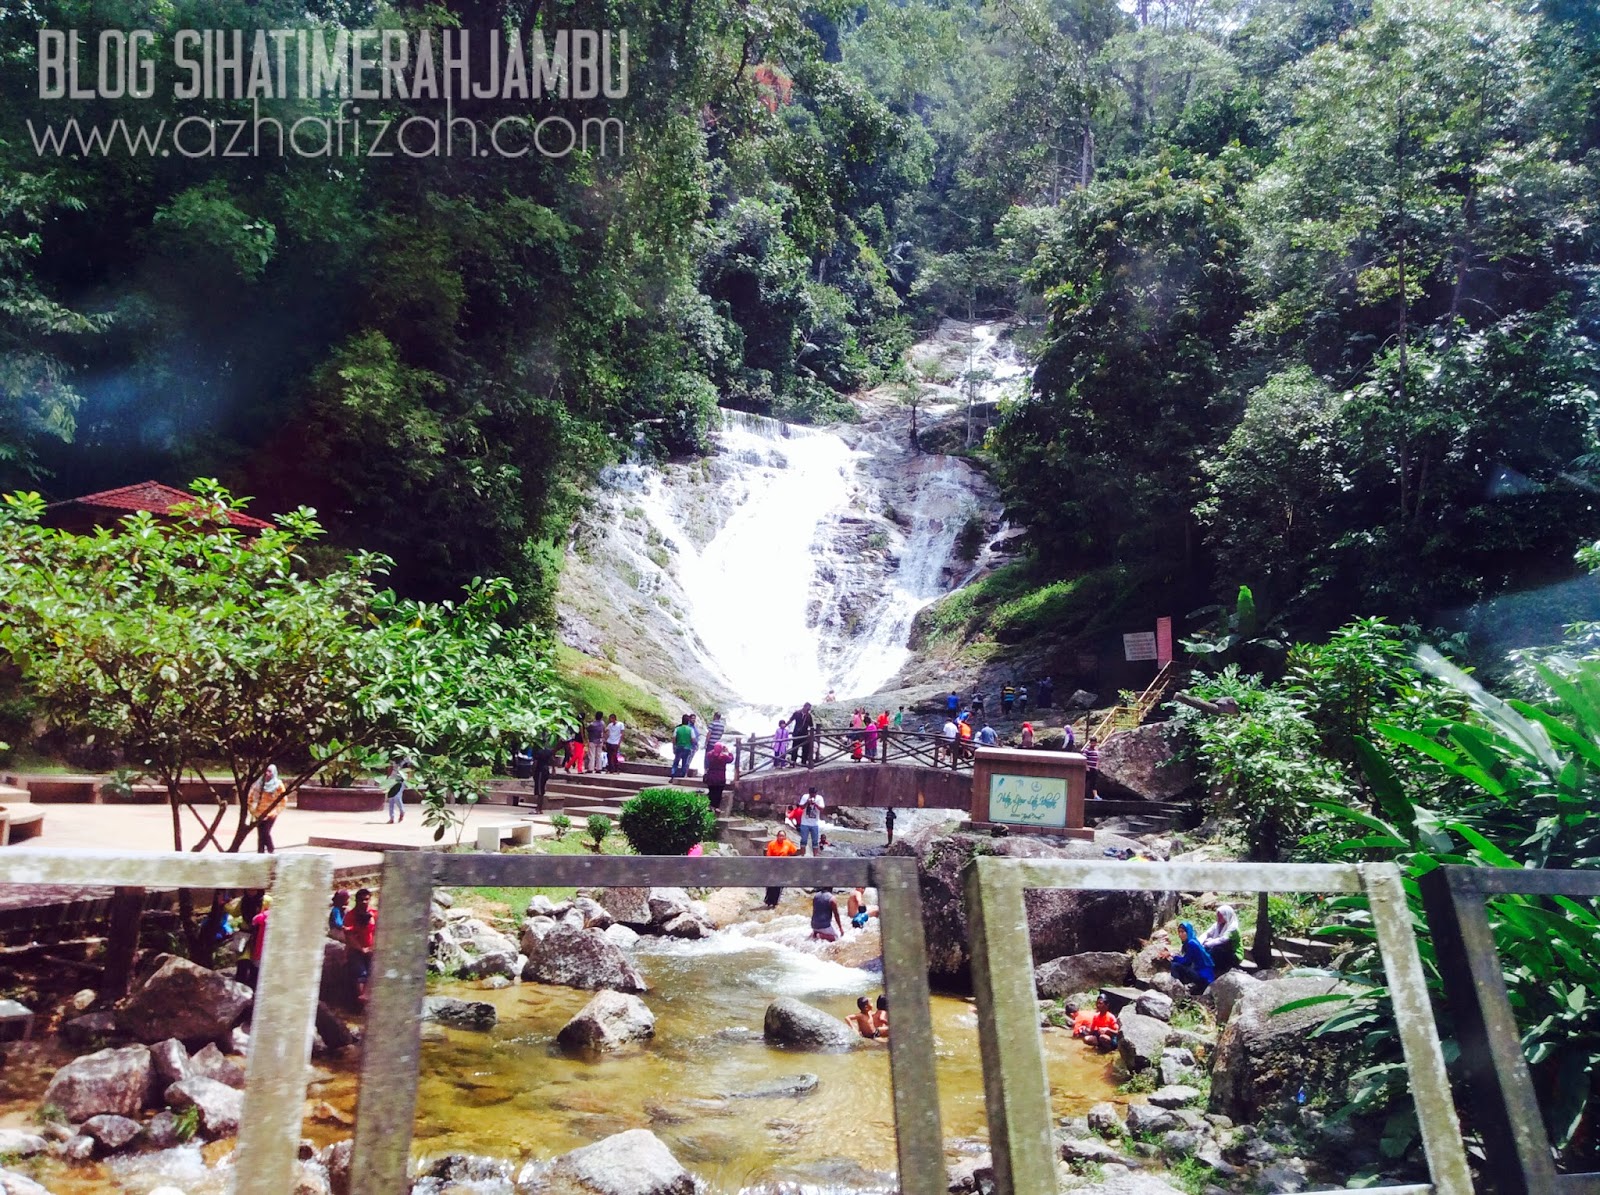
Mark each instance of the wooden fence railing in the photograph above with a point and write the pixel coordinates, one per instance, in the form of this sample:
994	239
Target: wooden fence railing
830	744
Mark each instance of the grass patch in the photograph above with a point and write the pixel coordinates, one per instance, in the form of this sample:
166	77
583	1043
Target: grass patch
512	901
1018	601
1140	1082
1193	1175
592	684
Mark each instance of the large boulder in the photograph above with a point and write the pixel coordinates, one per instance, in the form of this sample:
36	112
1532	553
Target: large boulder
608	1022
630	1163
114	1082
582	958
1264	1057
797	1026
217	1105
170	1059
184	1001
630	906
666	904
1075	973
1226	991
1146	763
1060	921
213	1064
338	976
112	1132
1143	1040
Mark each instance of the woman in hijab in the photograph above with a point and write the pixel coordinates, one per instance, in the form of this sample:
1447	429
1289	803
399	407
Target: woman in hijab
1193	966
1223	940
266	803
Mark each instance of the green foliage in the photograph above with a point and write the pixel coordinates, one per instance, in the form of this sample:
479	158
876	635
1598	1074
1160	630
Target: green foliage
188	1123
562	824
969	540
667	821
599	828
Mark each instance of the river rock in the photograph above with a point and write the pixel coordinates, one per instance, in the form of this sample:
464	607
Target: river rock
687	925
334	1031
170	1059
219	1106
1156	1005
783	1087
1074	973
1264	1057
12	1183
1174	1096
1282	1177
631	906
460	1014
1177	1066
1146	763
533	931
184	1001
1060	921
1105	1120
89	1028
335	1160
594	913
974	1173
1142	1119
19	1143
1143	1039
211	1063
1150	961
161	1130
1082	699
630	1163
542	906
112	1132
338	978
797	1026
608	1022
582	958
621	936
500	964
1226	991
666	903
108	1081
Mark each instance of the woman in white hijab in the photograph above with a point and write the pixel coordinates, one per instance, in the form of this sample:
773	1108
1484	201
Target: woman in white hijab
265	805
1223	939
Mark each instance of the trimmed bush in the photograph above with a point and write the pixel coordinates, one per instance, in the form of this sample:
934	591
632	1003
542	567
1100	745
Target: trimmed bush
667	821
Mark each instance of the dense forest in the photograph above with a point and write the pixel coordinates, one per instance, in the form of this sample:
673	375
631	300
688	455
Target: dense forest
1309	284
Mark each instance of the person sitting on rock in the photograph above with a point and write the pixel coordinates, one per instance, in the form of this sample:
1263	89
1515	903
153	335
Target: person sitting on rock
862	1020
1222	940
1105	1031
1078	1019
1192	966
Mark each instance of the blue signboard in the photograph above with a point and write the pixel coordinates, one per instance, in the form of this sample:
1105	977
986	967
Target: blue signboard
1028	800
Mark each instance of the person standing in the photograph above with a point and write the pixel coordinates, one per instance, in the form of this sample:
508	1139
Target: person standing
1022	700
977	704
826	924
266	802
779	848
811	807
544	758
952	704
883	736
1047	693
780	744
949	734
595	746
360	935
336	908
888	825
716	730
900	718
802	724
394	802
987	737
1069	737
1008	695
575	750
682	747
718	757
614	728
1091	761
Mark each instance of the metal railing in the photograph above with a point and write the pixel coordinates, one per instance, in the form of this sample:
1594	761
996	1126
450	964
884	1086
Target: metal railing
278	1065
1519	1158
387	1105
1127	717
834	744
1014	1075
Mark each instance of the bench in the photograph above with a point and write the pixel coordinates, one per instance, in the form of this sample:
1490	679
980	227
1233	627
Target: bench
490	837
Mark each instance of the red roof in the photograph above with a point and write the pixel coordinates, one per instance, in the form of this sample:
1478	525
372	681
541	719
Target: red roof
146	495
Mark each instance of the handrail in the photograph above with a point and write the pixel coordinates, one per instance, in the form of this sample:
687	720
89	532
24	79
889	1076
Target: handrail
830	744
1127	717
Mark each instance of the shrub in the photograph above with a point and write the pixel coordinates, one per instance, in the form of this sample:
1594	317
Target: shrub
667	821
562	824
599	827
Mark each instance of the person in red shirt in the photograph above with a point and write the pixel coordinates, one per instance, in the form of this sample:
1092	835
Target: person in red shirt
360	934
1079	1019
1104	1028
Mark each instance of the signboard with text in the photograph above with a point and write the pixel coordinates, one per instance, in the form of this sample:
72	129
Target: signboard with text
1141	645
1028	800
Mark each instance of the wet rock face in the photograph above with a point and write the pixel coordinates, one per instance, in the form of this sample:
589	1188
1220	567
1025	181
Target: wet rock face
797	1026
184	1001
114	1082
460	1014
1060	921
1264	1057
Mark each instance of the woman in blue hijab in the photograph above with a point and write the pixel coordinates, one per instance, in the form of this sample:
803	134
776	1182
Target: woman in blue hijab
1193	966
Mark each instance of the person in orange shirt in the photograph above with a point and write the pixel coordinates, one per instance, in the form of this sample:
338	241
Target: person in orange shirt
779	848
1079	1019
1104	1028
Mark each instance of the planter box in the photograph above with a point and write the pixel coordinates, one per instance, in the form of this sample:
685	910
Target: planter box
359	799
64	792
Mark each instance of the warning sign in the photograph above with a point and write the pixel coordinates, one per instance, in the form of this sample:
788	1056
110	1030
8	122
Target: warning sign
1141	645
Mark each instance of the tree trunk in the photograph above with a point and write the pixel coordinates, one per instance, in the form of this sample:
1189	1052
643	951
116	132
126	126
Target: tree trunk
1261	949
122	940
